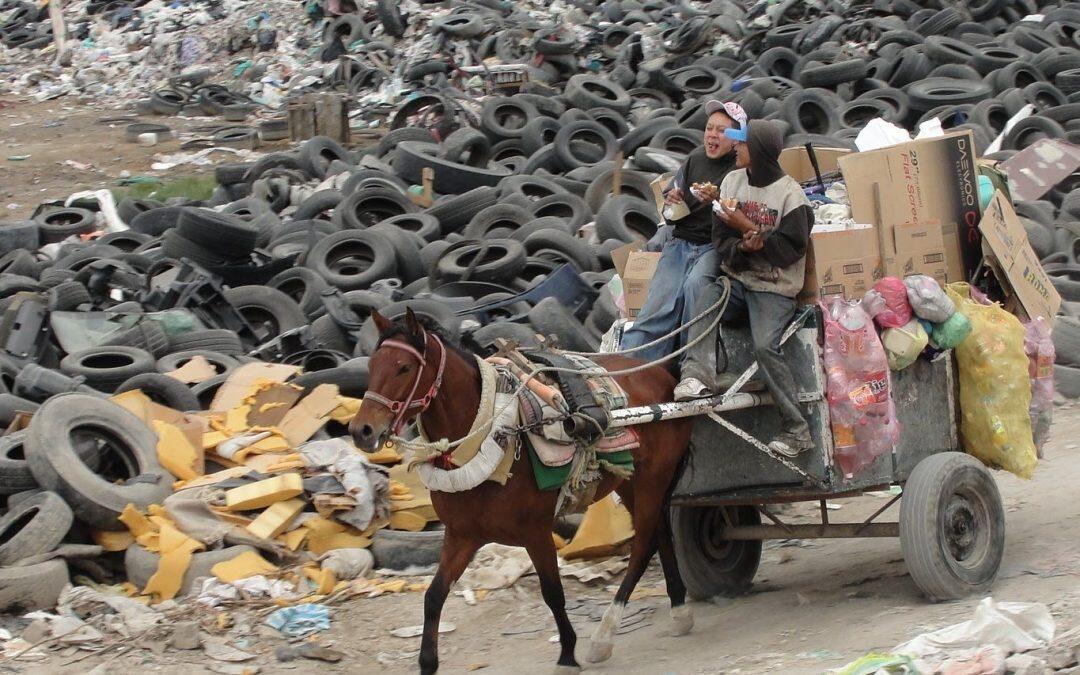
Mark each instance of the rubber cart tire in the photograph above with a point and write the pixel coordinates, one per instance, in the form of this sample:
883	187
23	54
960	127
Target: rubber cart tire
709	564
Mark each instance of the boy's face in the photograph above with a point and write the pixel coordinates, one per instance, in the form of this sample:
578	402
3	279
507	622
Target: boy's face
742	155
716	143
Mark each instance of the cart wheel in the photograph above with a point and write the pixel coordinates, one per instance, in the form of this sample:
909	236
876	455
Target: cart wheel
952	526
711	565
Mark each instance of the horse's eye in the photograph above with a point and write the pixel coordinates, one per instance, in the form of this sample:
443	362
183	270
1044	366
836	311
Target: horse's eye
403	369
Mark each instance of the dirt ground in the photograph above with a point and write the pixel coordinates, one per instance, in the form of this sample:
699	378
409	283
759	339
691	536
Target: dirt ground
815	605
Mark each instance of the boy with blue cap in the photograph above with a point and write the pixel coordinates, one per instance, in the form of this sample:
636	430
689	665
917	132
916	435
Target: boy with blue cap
760	234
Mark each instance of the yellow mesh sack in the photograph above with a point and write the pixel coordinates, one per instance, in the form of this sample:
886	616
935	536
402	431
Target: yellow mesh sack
995	391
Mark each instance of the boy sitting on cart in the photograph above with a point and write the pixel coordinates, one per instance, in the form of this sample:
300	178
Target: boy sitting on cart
760	231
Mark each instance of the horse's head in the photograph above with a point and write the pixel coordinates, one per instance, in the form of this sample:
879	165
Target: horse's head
406	372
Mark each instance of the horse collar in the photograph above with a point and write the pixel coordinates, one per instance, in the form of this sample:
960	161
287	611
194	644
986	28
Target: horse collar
401	408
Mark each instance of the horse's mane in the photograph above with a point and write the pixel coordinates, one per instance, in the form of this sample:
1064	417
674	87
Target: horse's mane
400	331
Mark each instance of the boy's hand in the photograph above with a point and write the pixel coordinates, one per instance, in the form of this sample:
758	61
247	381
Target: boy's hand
752	242
673	196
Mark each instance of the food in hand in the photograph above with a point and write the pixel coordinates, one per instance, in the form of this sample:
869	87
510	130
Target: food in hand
705	191
730	203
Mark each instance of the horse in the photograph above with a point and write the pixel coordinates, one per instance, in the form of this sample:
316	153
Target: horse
411	358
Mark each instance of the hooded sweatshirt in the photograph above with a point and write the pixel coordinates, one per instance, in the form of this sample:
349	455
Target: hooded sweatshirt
775	202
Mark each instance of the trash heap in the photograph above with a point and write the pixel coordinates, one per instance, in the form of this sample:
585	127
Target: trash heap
178	375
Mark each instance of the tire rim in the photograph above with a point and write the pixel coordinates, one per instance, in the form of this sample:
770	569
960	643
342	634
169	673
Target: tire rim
723	553
965	529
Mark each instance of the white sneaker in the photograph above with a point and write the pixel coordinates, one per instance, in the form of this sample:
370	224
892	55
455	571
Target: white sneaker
690	389
790	445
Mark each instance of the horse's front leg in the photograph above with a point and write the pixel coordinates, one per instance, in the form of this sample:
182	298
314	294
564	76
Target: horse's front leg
542	552
456	554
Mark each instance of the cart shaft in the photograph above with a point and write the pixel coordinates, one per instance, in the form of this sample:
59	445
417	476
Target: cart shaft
669	411
811	531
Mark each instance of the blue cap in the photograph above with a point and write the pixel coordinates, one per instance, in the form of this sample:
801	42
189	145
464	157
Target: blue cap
737	135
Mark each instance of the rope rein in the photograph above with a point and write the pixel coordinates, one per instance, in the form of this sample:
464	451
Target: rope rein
444	445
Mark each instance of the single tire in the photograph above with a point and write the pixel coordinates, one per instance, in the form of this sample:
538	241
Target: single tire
129	450
156	222
269	311
68	296
140	564
19	235
709	564
59	224
552	320
318	152
626	219
455	212
33	587
106	368
351	378
493	261
591	91
37	525
212	339
162	389
1067	381
399	550
303	286
468	146
353	260
952	526
1066	336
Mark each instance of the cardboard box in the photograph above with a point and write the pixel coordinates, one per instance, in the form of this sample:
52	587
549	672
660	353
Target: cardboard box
658	185
796	162
636	269
844	262
1024	276
919	182
916	249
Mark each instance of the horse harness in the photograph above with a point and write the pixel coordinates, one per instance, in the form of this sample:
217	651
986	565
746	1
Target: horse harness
401	408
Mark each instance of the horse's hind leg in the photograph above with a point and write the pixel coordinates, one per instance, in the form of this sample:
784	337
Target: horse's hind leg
455	557
542	553
645	510
681	615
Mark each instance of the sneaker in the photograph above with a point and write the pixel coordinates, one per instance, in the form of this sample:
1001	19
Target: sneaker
690	389
791	445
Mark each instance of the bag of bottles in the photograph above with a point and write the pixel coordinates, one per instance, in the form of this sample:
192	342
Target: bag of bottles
1039	346
995	390
927	298
897	310
861	411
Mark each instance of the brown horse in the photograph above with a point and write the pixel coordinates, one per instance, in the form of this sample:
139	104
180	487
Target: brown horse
415	372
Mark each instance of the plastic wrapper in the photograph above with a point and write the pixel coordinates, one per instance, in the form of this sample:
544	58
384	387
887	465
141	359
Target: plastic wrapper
903	345
897	310
995	390
861	411
951	333
1039	347
928	300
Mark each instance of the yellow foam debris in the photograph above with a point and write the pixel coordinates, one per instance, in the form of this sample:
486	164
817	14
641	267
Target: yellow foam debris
236	419
129	589
320	545
276	518
137	523
387	454
407	520
392	586
112	541
604	528
287	465
270	444
175	452
230	517
292	540
176	551
559	541
217	477
264	493
320	527
323	578
245	565
211	439
346	409
149	542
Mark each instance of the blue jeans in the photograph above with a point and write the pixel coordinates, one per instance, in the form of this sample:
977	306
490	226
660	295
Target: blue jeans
684	270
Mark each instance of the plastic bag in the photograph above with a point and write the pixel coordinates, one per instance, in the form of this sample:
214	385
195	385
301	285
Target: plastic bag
897	309
951	333
927	298
1039	347
861	411
995	391
903	345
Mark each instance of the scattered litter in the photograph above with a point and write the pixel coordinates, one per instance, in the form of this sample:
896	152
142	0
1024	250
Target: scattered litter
300	620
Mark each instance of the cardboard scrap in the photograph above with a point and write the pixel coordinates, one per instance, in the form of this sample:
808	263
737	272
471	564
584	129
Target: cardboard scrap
605	527
197	369
238	385
245	565
269	401
310	414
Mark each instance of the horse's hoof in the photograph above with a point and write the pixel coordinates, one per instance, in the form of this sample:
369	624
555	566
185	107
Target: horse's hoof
599	651
682	619
567	670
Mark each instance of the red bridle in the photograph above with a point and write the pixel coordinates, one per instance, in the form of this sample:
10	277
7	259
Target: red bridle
401	408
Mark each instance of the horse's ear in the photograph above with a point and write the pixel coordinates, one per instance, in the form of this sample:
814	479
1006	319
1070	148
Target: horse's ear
381	322
412	323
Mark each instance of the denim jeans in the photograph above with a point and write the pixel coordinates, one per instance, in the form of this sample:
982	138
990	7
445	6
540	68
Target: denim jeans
683	271
768	315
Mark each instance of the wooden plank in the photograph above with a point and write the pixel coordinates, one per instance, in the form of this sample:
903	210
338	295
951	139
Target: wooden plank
301	120
332	117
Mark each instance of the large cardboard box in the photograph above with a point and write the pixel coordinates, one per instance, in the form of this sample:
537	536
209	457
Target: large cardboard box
920	182
796	162
636	269
843	262
917	248
1008	243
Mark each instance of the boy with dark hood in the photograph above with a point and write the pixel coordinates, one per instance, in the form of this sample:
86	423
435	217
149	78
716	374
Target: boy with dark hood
761	231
